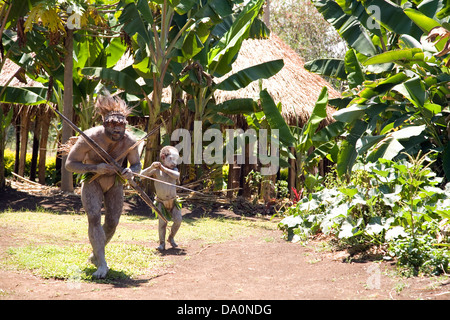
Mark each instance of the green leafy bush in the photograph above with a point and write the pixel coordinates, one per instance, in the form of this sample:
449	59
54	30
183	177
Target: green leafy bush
50	166
385	202
420	255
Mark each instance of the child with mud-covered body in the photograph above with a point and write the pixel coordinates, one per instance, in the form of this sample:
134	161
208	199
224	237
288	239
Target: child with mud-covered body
166	195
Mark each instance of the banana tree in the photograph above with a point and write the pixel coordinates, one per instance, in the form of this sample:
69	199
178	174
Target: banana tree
157	31
218	54
39	51
203	41
396	100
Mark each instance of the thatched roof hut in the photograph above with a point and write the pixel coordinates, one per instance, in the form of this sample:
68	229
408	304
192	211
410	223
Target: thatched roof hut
296	88
9	70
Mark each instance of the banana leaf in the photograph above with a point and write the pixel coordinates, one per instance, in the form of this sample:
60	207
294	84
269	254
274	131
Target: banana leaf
348	153
334	68
224	53
355	75
121	79
396	55
23	95
275	119
350	29
393	18
243	78
236	106
318	114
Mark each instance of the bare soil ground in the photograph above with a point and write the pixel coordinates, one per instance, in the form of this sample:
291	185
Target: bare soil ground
261	266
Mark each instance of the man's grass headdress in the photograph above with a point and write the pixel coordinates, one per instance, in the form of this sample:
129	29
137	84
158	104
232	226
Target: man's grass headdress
112	108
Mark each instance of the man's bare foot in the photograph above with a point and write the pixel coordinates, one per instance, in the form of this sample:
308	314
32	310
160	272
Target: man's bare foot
172	243
101	272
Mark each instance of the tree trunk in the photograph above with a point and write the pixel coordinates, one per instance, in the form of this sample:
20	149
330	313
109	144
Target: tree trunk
24	127
234	173
17	154
153	142
36	139
67	132
246	168
46	116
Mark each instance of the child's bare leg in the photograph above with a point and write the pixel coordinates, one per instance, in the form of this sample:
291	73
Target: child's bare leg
176	218
162	225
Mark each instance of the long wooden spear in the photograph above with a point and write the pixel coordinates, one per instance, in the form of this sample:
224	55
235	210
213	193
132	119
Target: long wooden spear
111	161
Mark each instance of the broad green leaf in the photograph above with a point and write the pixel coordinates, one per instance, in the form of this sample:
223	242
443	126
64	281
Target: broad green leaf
395	232
408	132
291	221
433	108
395	55
375	226
275	119
133	22
318	114
214	117
334	68
348	153
355	75
114	52
351	113
244	77
216	10
349	192
223	54
363	14
421	20
120	79
347	26
236	106
408	42
388	149
347	230
393	18
184	6
368	142
329	132
414	90
24	95
192	45
328	149
379	87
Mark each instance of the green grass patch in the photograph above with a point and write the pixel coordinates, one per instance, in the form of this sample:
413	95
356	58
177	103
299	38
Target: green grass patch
71	262
57	246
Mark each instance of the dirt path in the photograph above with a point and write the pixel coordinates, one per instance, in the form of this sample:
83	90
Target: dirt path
262	266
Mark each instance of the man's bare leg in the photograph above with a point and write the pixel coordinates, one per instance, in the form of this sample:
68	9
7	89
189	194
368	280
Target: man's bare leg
113	207
91	197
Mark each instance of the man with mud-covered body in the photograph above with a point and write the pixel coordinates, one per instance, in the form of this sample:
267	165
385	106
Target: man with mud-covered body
101	180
